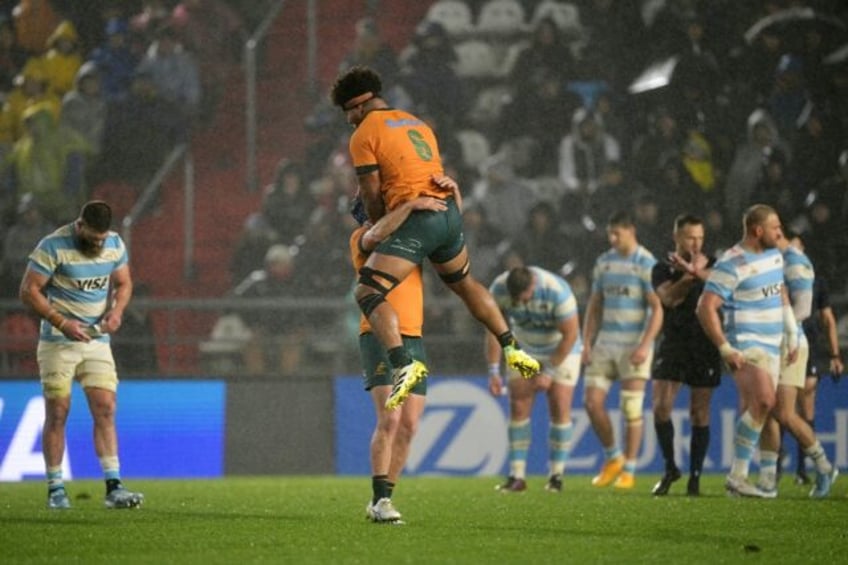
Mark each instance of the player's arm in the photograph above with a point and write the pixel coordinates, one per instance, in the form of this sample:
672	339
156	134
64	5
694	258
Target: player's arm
707	311
828	322
591	323
370	184
790	326
570	329
492	351
32	296
652	329
122	288
674	293
386	225
802	302
655	321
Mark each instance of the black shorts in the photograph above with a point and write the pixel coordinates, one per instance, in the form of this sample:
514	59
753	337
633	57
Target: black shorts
817	365
694	367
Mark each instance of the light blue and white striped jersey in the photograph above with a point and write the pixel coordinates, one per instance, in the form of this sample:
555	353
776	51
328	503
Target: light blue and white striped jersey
750	285
79	286
624	283
535	324
799	275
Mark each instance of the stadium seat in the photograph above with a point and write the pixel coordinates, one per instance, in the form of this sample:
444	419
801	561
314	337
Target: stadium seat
565	14
475	147
511	55
475	59
501	17
489	103
454	15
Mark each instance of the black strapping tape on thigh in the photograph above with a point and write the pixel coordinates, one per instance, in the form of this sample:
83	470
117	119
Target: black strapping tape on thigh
457	276
368	277
369	303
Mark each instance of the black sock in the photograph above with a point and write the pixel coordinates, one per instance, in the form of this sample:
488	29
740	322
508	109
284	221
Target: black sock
665	436
380	487
390	489
112	484
507	340
698	446
399	357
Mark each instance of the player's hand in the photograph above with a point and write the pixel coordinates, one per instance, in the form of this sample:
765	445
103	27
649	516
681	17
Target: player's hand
496	386
836	368
792	356
734	358
639	355
76	330
689	267
586	355
111	322
429	203
449	183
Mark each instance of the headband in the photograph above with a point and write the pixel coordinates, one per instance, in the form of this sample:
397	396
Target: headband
357	100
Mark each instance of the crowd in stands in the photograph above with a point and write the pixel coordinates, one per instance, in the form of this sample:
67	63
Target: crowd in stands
553	114
99	91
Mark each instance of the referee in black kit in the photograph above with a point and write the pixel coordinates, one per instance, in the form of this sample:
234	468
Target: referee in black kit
684	354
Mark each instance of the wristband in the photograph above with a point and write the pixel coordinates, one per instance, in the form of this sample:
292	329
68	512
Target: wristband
494	369
835	356
791	340
726	350
790	325
56	319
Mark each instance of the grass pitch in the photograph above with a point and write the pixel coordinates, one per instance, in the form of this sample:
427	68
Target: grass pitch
449	520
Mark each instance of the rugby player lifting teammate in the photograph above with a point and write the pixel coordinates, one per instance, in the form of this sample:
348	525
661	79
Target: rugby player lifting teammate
396	158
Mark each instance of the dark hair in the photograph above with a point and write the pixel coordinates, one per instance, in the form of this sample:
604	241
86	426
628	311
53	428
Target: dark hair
518	280
622	219
684	220
97	215
355	82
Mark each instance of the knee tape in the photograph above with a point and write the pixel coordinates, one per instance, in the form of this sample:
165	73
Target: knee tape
382	282
631	405
370	302
378	280
456	276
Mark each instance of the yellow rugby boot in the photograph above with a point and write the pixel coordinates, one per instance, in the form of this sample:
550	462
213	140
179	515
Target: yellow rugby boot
405	380
609	472
522	362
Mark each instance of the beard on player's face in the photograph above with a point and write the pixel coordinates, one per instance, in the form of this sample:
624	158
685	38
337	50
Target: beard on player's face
89	247
87	243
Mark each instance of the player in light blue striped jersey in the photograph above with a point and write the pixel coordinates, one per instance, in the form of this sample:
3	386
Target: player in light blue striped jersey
799	277
78	281
542	313
623	317
746	285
